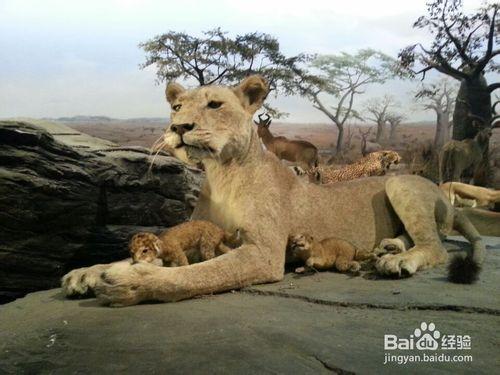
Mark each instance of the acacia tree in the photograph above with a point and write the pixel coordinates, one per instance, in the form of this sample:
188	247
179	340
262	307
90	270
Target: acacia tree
394	119
439	96
464	47
343	77
216	58
379	110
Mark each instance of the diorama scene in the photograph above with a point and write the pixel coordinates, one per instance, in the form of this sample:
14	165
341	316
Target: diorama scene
263	187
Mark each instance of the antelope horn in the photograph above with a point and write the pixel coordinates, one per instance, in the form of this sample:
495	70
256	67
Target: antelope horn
495	122
493	108
476	118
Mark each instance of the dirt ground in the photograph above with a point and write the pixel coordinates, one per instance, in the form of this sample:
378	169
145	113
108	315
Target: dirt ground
410	140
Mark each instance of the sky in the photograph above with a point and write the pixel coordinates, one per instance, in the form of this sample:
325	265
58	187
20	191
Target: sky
65	58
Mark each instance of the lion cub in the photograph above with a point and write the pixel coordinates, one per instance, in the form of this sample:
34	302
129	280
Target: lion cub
326	254
193	241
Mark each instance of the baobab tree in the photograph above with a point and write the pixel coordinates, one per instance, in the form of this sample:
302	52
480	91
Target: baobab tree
379	109
439	96
342	77
216	58
394	119
463	48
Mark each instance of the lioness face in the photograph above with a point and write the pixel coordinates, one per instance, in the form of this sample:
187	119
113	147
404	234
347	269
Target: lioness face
213	122
144	247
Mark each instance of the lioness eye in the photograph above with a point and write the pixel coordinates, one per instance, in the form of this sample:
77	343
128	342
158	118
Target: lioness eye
214	105
144	251
177	107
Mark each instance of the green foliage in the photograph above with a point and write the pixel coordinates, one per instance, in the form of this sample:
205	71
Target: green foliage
342	70
216	58
343	76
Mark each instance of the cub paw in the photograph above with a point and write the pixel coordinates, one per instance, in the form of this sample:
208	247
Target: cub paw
354	267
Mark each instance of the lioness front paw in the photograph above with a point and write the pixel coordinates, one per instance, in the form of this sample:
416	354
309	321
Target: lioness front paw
398	265
81	281
124	284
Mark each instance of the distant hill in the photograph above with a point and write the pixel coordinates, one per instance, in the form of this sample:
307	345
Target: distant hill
105	119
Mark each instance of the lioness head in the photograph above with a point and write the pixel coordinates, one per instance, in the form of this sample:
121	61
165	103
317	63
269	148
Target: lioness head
213	122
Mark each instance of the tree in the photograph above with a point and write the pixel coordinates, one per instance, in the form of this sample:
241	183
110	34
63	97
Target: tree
394	119
439	96
379	109
463	48
215	58
343	76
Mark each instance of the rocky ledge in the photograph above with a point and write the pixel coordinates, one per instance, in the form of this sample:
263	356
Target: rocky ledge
322	323
68	200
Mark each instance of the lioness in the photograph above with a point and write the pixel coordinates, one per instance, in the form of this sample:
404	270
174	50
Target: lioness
247	187
457	192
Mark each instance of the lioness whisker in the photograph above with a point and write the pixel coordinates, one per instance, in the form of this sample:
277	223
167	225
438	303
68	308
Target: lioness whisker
155	144
160	146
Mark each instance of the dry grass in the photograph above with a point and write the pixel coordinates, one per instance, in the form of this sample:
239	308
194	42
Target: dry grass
412	142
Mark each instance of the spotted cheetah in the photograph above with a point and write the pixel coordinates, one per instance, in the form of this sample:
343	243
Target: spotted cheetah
374	164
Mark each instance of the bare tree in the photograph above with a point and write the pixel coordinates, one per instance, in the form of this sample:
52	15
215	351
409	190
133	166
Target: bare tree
440	97
394	120
343	77
463	48
364	137
379	109
348	137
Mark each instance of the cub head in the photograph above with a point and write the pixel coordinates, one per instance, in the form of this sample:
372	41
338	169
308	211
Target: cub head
145	247
213	122
300	244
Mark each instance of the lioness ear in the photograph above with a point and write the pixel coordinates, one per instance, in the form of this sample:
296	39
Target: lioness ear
252	92
172	91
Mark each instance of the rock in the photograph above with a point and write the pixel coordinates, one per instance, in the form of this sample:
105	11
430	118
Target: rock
323	323
68	200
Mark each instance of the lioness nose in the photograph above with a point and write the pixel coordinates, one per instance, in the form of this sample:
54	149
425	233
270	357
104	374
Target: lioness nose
181	128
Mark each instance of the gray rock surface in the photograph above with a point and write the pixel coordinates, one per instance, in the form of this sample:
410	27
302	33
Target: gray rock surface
321	323
68	200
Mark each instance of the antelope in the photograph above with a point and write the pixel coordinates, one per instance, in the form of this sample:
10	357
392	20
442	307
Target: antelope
458	156
302	153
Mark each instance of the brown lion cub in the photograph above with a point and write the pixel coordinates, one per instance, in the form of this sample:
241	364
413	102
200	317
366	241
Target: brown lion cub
193	241
326	254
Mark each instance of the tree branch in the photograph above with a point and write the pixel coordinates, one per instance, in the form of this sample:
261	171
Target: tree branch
489	49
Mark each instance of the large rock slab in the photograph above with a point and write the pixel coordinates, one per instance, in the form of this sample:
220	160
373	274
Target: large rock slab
229	333
72	200
428	289
300	325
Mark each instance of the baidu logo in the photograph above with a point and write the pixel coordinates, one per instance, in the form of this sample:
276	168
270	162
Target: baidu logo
427	337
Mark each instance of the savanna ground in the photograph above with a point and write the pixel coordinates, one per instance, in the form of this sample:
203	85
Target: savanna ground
410	140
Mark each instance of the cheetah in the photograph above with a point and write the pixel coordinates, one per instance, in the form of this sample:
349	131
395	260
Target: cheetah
374	164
